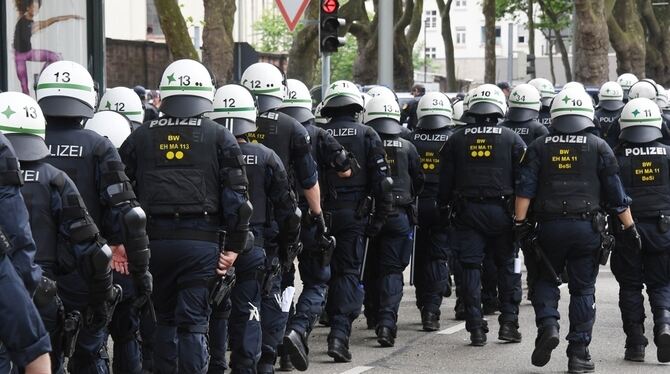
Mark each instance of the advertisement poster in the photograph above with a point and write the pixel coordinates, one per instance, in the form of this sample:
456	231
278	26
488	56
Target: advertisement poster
40	32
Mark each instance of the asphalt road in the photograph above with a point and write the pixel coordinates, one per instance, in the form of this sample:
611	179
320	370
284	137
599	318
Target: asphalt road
447	351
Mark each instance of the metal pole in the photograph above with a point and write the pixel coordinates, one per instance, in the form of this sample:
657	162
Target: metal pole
510	53
385	51
325	74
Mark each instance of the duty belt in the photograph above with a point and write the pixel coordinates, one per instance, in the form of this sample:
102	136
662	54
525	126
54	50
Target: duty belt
182	234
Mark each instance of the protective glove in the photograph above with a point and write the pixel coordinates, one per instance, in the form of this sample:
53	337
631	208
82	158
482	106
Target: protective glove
320	223
522	230
374	227
143	287
630	238
99	314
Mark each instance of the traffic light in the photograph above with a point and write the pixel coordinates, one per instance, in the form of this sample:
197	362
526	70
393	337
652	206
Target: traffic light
329	24
530	68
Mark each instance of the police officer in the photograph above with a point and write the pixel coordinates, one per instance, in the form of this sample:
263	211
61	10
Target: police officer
318	248
347	202
289	139
24	341
645	88
66	94
431	270
566	176
393	246
524	109
645	173
610	103
626	80
123	100
151	112
547	93
477	170
271	195
124	327
389	94
191	180
57	215
665	109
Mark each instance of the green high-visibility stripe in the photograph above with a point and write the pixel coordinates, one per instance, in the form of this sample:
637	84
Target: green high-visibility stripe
384	113
436	110
185	88
524	102
131	113
341	94
298	101
477	99
266	90
641	120
572	110
613	96
73	86
246	109
12	129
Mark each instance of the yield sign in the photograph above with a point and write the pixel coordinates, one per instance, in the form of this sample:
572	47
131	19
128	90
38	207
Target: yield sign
292	10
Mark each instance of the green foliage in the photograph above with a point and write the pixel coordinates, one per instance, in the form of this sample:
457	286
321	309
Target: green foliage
342	62
510	8
562	9
274	34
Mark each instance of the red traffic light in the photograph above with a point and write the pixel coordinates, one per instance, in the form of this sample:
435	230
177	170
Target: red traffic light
330	6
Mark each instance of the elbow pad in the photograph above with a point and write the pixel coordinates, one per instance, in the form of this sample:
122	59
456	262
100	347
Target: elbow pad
82	228
292	227
135	239
95	267
235	179
241	240
118	188
341	161
10	175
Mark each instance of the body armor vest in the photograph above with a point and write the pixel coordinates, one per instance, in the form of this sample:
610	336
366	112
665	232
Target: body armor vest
606	118
177	166
397	155
77	152
545	117
568	182
352	136
428	144
527	130
484	159
275	131
255	159
645	173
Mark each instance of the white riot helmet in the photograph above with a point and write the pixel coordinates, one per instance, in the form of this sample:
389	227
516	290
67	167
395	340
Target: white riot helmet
298	101
661	97
383	115
267	83
487	100
546	89
434	111
342	94
125	101
626	80
235	108
573	84
458	113
644	88
66	89
640	121
112	125
24	125
610	96
318	118
382	91
524	103
187	89
572	111
366	98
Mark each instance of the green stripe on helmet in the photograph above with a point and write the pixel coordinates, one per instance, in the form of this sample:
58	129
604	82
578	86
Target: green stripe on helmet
641	120
572	110
384	113
186	88
293	101
436	110
72	86
266	90
524	102
485	100
15	130
244	109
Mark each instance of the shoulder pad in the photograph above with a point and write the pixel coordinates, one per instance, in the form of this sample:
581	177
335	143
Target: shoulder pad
10	175
58	180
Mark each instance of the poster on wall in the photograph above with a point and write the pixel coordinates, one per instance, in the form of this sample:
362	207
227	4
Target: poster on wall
40	32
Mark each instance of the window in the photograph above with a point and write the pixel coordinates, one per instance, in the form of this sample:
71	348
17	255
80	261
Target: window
521	32
153	25
498	34
460	36
461	3
431	52
430	19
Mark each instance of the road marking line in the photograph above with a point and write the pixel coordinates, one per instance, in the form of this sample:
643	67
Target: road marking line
452	329
358	370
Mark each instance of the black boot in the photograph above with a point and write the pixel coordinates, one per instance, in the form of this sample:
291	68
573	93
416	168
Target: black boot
295	346
285	363
430	321
460	310
478	336
635	342
339	350
385	336
509	332
579	360
546	341
323	319
662	341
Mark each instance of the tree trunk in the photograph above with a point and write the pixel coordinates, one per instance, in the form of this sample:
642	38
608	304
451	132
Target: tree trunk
304	53
552	69
174	27
448	39
626	36
403	64
489	9
565	58
365	32
531	35
217	38
591	42
657	24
